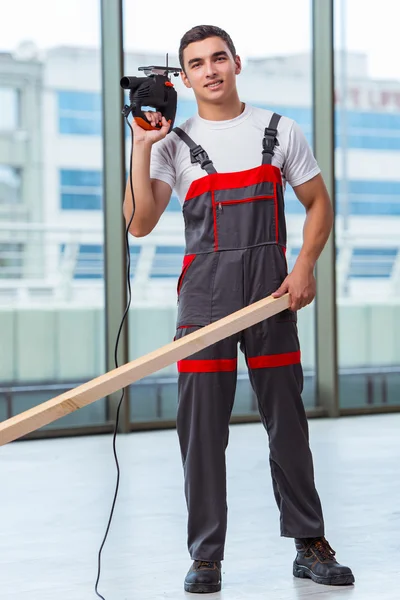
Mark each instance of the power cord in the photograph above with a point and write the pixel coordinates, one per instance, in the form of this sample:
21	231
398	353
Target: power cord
128	268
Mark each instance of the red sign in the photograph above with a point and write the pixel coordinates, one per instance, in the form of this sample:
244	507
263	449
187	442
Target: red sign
360	97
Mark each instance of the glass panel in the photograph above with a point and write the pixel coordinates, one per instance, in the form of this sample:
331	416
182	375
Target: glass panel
9	114
368	204
10	186
51	223
276	75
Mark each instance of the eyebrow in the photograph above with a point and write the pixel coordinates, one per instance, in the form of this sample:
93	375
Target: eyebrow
215	55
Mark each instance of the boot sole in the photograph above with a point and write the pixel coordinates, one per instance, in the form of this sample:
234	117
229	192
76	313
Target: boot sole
202	588
305	573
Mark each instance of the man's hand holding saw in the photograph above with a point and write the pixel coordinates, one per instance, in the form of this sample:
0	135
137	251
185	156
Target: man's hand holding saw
151	136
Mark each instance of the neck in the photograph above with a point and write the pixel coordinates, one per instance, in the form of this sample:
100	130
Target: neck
228	109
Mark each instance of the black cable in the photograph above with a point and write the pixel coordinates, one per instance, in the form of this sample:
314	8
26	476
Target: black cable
128	267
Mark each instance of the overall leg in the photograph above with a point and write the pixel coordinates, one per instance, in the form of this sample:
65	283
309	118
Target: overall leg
206	387
273	359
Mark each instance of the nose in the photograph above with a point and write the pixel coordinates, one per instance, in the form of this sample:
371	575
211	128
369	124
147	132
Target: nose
210	69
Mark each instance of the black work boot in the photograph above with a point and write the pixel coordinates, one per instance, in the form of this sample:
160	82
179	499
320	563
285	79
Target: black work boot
316	560
203	577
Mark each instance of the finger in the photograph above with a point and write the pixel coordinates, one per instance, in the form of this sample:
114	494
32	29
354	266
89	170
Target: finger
149	114
165	125
280	291
295	306
294	302
153	119
156	118
299	303
305	301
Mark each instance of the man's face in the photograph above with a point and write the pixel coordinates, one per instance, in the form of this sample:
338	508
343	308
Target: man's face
210	70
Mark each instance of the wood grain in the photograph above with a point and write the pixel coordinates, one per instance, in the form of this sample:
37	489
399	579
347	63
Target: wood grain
114	380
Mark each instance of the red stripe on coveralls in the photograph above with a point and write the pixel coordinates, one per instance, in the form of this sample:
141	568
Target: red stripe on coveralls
252	199
227	181
187	261
214	208
207	366
276	214
274	360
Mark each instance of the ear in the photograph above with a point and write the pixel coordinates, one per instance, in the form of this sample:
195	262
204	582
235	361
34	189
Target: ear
238	64
185	80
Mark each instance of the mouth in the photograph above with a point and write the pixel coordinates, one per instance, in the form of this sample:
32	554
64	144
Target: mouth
213	85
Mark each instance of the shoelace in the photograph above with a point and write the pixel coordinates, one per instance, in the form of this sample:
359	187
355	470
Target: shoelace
203	564
323	548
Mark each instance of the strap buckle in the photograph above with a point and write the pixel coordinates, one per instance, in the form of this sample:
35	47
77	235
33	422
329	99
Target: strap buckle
196	152
270	140
205	163
199	155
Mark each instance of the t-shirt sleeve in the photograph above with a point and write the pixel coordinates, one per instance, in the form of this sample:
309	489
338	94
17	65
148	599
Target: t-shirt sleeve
161	163
300	164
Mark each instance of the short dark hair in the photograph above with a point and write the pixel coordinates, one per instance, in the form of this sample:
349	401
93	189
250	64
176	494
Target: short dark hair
202	32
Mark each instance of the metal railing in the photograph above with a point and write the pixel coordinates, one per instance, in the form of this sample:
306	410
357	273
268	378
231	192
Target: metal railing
373	382
52	264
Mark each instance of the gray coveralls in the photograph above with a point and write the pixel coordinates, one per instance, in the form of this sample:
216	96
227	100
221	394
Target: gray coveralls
235	234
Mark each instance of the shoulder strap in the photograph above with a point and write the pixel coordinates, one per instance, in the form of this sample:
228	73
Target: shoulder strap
197	153
270	139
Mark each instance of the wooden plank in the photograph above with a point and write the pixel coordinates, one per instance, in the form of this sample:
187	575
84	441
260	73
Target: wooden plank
114	380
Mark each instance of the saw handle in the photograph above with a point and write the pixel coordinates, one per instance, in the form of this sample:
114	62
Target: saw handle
156	91
144	123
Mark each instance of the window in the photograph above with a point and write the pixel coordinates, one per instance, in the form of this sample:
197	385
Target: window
54	312
372	140
81	189
369	131
358	197
9	113
369	198
10	185
293	205
368	261
79	113
88	261
291	256
174	205
11	260
167	261
373	262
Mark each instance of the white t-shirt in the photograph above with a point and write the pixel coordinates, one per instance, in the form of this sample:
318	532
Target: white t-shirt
232	145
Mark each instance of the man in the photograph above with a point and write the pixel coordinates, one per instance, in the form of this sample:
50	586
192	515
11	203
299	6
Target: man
228	165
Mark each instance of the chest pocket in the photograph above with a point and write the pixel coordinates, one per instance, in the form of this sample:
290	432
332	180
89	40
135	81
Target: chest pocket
245	217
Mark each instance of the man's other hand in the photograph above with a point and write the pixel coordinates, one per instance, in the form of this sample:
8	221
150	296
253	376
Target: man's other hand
301	286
